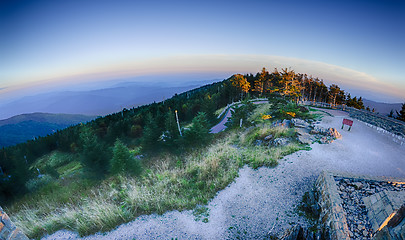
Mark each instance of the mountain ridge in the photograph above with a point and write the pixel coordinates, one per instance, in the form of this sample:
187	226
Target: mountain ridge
381	107
21	128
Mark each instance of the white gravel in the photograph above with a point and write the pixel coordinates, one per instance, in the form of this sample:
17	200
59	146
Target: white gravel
262	201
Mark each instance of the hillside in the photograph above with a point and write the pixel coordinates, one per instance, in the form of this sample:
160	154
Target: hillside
24	127
382	108
98	101
157	157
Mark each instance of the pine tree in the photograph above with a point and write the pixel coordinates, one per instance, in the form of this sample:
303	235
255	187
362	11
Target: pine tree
239	81
94	154
151	134
261	81
401	114
360	104
391	114
199	132
122	160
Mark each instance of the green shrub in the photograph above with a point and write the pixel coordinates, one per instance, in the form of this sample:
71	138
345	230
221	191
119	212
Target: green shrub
123	161
199	131
36	183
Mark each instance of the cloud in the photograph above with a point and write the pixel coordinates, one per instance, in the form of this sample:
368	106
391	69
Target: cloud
224	66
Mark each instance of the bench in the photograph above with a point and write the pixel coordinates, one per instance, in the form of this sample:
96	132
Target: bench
347	122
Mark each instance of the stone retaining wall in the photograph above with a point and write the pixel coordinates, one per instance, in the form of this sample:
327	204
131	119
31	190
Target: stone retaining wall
392	125
8	231
389	124
332	215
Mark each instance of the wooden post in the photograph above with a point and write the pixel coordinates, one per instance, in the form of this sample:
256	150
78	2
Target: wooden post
178	124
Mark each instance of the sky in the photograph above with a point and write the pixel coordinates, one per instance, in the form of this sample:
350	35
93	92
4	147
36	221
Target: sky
357	44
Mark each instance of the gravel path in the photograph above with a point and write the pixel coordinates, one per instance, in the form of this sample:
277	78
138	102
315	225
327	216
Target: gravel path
221	125
262	201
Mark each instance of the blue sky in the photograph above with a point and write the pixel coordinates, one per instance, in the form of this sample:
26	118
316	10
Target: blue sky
356	44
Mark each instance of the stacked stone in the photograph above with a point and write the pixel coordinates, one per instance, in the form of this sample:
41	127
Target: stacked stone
332	215
391	125
8	231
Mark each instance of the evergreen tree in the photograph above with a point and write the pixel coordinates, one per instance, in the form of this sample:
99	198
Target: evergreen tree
94	154
199	132
391	114
401	114
261	81
239	81
122	160
151	134
360	104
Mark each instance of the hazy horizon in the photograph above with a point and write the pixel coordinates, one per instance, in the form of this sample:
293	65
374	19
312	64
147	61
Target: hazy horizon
51	46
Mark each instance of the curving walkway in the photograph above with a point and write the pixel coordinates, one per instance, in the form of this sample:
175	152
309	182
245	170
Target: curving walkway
261	202
221	125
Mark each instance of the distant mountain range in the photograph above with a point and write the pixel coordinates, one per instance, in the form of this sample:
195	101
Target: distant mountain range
100	101
382	108
24	127
43	114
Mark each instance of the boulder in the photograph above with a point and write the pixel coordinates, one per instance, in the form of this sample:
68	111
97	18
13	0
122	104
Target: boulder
280	141
357	185
319	130
286	123
325	140
305	138
334	133
299	123
268	138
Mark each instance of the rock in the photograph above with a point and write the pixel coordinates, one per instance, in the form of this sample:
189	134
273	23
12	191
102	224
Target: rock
299	123
305	139
258	142
268	138
334	133
325	140
286	123
319	130
365	233
357	185
280	141
361	227
293	233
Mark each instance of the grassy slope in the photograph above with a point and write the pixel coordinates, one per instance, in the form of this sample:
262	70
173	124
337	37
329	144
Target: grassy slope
169	182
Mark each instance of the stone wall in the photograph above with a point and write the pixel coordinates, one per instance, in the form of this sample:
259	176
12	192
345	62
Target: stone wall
391	125
387	195
8	231
332	215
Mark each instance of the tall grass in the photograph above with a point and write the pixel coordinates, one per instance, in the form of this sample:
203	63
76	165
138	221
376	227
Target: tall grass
170	182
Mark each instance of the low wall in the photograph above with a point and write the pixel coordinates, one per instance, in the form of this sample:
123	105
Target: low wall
389	124
332	215
8	231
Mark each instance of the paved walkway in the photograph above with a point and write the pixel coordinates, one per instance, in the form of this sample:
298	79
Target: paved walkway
221	125
262	202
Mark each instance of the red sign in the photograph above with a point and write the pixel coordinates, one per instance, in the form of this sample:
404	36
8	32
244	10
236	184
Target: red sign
347	122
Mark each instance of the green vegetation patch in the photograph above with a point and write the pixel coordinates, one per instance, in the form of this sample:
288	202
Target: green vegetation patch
168	180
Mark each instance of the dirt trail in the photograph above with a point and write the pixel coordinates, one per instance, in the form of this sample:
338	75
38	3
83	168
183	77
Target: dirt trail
261	202
221	125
